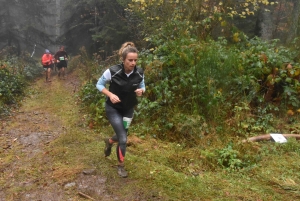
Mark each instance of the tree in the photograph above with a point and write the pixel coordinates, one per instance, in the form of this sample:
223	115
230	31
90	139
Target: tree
22	23
294	20
100	25
266	22
203	15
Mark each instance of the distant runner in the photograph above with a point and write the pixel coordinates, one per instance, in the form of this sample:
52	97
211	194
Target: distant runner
47	62
61	58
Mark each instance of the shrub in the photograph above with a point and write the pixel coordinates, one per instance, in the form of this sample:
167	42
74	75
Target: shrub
93	102
15	73
11	89
239	88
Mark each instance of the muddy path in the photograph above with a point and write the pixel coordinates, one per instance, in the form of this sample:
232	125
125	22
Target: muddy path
27	171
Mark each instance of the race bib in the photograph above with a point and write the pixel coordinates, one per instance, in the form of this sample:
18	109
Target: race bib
126	122
61	58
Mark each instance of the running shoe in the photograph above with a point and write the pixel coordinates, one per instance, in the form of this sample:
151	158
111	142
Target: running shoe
122	172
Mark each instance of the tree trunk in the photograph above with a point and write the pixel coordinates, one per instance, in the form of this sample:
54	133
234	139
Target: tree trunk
265	22
58	18
294	21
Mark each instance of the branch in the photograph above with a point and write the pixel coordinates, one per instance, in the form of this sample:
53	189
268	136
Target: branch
85	196
268	137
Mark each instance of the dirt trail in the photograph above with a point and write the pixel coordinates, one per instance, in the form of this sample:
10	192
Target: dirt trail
24	139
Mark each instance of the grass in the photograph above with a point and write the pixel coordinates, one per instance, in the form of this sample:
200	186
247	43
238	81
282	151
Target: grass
158	170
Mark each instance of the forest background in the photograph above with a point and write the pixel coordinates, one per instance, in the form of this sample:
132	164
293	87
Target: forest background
217	73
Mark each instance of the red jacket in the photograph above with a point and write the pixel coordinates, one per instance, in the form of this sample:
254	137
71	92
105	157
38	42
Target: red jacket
47	59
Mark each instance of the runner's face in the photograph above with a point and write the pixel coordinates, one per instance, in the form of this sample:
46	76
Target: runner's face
130	62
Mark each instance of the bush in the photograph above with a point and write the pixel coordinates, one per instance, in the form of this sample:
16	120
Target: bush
23	64
11	89
239	89
15	72
93	102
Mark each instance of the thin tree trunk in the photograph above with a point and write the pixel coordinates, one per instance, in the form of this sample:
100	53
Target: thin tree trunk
266	24
278	16
294	21
58	18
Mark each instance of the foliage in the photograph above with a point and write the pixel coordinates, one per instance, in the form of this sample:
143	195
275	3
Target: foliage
22	64
88	66
100	26
11	88
22	24
276	69
205	69
173	171
220	78
228	158
204	96
193	84
15	72
203	88
93	102
204	15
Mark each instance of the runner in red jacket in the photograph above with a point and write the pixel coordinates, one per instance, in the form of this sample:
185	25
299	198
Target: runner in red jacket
47	62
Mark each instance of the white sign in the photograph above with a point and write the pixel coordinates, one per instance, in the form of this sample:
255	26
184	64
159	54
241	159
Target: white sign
278	137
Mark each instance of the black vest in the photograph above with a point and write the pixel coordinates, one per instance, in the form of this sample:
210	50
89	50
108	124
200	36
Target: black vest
124	86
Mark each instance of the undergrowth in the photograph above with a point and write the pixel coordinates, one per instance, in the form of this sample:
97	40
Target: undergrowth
202	100
213	169
186	140
16	72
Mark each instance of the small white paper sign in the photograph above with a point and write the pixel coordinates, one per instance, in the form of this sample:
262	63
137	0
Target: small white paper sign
278	137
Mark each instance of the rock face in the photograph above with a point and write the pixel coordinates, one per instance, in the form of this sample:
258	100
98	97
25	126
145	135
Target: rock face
53	22
31	25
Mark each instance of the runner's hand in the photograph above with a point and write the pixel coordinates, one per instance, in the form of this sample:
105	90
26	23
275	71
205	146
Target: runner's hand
114	99
139	92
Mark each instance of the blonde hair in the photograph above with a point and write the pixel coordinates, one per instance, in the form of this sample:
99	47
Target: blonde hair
126	48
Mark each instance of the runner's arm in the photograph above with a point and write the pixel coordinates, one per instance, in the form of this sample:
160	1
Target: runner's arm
142	85
103	80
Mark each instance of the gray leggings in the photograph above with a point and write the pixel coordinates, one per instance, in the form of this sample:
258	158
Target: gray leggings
116	119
